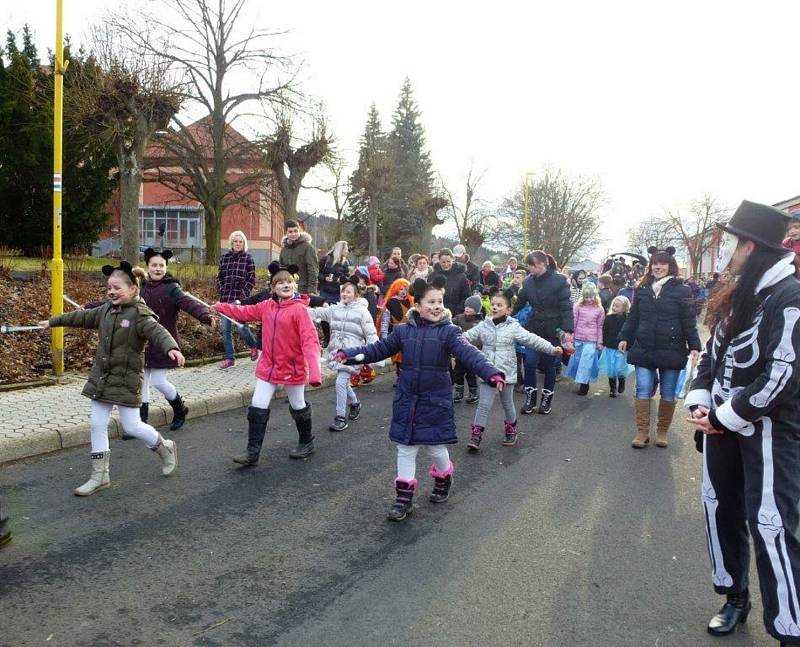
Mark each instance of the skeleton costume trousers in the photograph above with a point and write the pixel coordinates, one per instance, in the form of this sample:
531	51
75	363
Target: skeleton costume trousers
752	483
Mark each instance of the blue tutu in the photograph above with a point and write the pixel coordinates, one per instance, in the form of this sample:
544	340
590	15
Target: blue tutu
583	366
614	363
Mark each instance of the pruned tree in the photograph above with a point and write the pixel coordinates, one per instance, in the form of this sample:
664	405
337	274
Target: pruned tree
471	221
693	228
231	69
655	230
336	185
125	99
290	162
563	216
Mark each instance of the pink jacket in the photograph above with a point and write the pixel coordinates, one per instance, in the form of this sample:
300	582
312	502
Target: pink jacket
588	323
290	344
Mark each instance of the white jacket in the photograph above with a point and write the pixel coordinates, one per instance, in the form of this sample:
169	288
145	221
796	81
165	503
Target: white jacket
351	326
498	342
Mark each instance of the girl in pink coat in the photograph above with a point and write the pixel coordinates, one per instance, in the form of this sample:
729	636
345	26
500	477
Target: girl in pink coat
290	356
588	315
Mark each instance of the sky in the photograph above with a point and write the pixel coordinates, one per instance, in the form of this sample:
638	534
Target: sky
662	101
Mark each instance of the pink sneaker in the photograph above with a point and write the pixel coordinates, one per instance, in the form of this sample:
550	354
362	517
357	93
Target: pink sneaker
226	363
253	354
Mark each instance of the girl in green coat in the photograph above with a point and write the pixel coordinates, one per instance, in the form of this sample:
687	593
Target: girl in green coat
124	324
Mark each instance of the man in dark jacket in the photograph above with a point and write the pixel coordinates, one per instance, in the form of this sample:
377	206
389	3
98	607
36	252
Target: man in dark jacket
457	288
470	269
296	249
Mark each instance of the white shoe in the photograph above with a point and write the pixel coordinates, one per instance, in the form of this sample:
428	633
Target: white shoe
99	480
168	453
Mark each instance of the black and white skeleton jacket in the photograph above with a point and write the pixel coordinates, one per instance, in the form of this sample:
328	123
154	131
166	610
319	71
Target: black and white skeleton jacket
759	375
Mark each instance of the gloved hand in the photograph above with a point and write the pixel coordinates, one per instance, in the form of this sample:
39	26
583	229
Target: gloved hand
497	381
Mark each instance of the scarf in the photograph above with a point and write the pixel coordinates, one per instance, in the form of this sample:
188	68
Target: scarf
657	285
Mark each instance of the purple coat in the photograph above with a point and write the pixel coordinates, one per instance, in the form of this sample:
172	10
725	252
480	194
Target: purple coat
236	276
422	412
166	298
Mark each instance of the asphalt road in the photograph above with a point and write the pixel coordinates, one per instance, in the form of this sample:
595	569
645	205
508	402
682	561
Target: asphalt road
569	538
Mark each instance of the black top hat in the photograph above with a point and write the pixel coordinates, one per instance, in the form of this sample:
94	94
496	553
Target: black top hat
764	225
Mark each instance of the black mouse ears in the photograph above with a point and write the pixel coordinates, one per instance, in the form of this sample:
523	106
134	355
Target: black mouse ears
166	254
655	250
124	266
420	285
274	267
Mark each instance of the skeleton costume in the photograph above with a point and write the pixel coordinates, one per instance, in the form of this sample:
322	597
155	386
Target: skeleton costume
751	473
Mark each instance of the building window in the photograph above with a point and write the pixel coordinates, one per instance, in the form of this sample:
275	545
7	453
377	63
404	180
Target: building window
181	226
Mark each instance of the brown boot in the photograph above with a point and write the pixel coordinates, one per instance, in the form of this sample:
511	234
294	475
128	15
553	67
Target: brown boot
665	412
642	409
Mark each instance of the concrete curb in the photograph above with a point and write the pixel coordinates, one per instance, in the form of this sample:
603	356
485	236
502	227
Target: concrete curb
54	438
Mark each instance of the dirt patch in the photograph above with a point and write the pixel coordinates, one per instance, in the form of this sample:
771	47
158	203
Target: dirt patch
25	357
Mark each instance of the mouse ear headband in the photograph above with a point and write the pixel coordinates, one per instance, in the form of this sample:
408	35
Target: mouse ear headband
274	267
419	286
124	266
166	254
655	250
344	280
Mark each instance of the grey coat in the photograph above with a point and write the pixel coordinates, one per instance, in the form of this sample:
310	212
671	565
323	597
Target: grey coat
498	343
351	326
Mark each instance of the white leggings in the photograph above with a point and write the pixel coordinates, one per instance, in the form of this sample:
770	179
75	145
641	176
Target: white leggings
344	393
157	377
264	392
407	460
131	424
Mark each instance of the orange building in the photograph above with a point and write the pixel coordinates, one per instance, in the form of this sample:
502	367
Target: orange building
168	218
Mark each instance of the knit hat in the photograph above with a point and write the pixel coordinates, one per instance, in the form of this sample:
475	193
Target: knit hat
362	270
459	250
473	302
373	260
589	290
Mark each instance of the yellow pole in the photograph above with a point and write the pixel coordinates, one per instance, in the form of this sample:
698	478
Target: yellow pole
57	264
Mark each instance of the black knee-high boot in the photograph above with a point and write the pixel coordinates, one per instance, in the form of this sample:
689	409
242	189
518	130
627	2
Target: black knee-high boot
179	412
305	439
257	420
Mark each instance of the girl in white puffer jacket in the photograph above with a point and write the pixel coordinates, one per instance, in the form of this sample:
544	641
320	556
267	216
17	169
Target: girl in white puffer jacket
498	337
351	326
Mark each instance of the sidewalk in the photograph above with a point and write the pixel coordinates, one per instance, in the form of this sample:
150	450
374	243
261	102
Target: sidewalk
48	419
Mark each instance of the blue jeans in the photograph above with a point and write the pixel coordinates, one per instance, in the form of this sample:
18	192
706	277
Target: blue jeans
647	381
227	337
533	360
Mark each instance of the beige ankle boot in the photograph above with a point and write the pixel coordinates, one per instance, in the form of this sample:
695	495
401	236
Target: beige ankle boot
168	453
665	412
642	411
99	480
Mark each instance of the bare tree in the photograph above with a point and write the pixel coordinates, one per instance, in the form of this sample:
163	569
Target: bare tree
125	99
216	49
471	221
694	228
656	230
563	216
338	187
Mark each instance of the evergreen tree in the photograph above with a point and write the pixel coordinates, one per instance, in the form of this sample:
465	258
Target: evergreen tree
406	220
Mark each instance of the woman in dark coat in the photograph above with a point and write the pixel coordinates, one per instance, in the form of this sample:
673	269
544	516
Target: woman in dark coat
659	335
422	412
488	278
163	295
548	294
333	267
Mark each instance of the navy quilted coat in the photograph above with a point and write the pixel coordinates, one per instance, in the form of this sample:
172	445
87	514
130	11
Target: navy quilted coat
422	412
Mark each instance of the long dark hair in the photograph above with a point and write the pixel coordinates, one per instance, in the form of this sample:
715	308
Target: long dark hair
538	256
734	306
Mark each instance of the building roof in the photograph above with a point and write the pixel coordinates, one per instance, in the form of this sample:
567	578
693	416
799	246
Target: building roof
787	204
200	132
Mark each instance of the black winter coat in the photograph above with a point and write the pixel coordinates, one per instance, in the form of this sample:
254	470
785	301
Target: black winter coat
327	268
551	305
661	331
612	325
457	289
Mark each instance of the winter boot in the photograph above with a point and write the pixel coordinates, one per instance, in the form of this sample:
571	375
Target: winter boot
642	409
475	439
473	395
583	389
442	483
547	402
612	387
339	424
510	438
144	411
458	394
735	611
168	453
403	503
354	410
179	411
99	480
621	387
257	420
531	396
305	442
666	410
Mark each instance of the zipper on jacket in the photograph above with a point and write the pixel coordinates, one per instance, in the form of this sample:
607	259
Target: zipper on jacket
272	346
